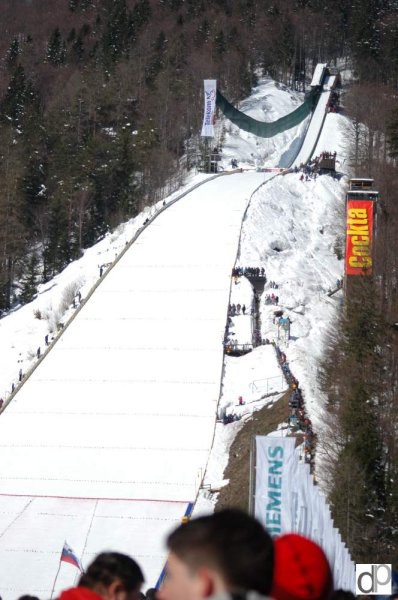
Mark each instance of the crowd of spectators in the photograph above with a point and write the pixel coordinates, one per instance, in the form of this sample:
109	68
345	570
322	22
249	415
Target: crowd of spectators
225	556
298	420
248	272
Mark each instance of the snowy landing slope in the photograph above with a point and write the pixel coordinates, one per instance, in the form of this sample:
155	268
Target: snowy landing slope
90	421
124	405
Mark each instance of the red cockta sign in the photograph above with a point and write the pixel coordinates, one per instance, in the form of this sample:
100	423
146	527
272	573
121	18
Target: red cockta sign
358	255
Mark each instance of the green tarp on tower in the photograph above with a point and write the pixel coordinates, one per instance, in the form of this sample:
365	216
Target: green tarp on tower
262	129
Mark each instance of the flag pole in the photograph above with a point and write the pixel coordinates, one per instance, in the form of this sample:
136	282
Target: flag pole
56	577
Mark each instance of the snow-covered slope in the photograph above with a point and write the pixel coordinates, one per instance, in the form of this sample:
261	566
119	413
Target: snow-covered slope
119	417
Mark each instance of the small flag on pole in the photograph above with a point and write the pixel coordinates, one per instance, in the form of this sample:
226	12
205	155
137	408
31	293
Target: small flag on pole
70	557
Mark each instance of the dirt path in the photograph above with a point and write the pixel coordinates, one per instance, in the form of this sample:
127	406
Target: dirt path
266	420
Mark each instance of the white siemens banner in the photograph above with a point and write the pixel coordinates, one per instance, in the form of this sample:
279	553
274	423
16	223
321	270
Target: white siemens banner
286	500
274	460
210	106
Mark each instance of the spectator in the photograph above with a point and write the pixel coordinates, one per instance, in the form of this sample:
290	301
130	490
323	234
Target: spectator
226	552
111	576
302	571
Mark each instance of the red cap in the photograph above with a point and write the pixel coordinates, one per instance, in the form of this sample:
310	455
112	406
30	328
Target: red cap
79	593
301	570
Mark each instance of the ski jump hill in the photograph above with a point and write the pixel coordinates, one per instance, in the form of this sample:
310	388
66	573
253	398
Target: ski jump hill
106	443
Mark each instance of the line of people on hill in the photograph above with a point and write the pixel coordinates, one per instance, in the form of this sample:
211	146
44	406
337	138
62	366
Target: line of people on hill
232	346
298	419
236	309
227	555
271	299
248	272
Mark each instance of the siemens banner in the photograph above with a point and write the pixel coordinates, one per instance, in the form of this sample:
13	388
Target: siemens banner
286	500
210	89
275	457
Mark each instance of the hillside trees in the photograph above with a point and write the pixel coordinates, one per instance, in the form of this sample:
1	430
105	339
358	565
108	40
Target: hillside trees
360	375
106	95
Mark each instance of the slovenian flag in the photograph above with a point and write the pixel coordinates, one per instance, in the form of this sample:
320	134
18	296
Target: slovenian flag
70	557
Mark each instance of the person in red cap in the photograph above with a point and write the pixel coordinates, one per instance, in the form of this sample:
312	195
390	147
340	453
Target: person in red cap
301	570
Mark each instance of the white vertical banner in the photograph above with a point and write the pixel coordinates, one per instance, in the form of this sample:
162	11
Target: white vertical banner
286	500
273	490
210	89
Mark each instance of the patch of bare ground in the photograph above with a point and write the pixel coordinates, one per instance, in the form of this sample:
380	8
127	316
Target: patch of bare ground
264	421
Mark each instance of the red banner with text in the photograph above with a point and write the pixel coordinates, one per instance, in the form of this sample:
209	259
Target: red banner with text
359	237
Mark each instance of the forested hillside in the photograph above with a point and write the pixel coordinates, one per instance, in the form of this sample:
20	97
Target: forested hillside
100	100
100	108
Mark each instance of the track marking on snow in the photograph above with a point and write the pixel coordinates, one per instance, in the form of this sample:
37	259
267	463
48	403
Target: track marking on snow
116	448
120	414
16	518
89	499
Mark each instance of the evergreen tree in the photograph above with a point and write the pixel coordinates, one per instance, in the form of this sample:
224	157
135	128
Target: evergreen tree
34	183
158	59
219	42
56	48
114	39
71	35
78	49
392	132
13	105
139	16
13	53
203	32
57	252
29	279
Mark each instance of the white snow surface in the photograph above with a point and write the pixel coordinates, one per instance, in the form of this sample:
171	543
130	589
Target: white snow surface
318	117
106	442
301	220
318	73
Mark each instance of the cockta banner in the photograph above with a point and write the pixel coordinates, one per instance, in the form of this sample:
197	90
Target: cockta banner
359	237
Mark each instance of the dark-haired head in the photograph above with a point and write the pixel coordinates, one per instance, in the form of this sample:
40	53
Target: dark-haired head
228	551
113	575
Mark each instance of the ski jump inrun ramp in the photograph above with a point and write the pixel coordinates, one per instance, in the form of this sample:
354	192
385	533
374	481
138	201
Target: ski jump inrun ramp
106	443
